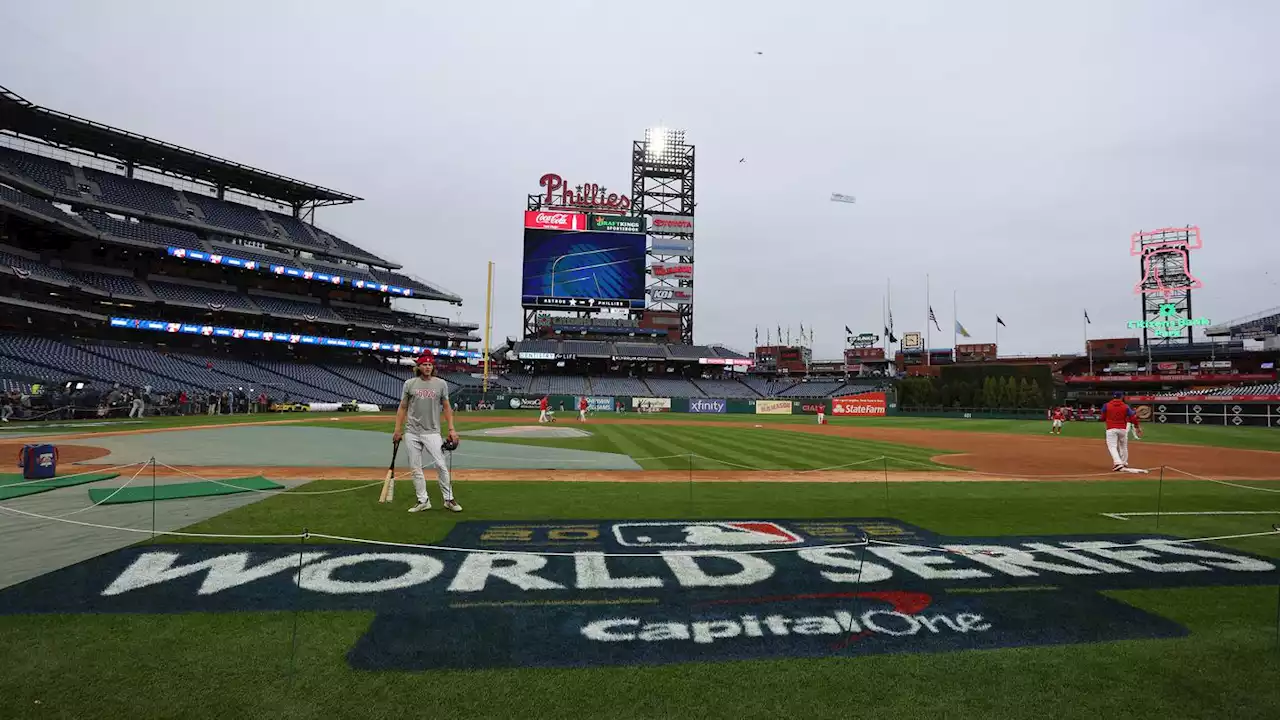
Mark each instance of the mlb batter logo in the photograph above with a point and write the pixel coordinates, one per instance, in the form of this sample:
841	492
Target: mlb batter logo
711	534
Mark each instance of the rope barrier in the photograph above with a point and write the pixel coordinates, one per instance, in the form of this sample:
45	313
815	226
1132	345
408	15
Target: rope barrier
1193	476
74	475
274	491
108	497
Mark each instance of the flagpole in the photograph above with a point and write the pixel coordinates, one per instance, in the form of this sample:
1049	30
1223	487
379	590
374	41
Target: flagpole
929	309
1084	323
955	326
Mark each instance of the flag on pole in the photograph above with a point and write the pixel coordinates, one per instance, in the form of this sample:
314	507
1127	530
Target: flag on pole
998	320
757	336
1086	317
960	329
933	318
847	331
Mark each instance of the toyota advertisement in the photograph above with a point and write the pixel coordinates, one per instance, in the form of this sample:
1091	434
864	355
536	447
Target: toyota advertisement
582	270
865	405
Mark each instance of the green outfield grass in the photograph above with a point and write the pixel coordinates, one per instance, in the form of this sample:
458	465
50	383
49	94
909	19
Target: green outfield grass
237	665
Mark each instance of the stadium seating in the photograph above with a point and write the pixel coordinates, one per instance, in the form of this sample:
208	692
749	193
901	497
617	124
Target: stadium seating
672	387
41	207
76	363
297	230
812	389
53	175
344	247
1259	389
122	286
537	346
229	215
690	351
188	376
39	270
135	194
367	316
725	352
199	296
345	270
566	384
587	348
295	309
240	373
725	389
401	280
317	377
150	233
642	350
622	387
518	383
18	368
380	381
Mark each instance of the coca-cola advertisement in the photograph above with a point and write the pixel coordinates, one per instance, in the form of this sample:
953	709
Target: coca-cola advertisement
555	220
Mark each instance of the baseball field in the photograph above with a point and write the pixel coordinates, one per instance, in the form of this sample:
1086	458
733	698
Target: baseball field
642	566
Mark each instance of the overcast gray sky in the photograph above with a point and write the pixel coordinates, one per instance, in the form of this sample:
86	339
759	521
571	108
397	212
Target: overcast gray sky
1007	149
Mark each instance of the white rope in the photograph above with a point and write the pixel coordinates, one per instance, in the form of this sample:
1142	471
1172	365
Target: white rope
798	472
174	533
108	497
59	478
277	491
1007	474
1223	482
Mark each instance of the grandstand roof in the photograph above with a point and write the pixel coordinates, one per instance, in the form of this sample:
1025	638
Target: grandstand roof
26	118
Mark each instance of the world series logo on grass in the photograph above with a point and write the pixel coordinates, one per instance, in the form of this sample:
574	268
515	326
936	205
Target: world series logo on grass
582	593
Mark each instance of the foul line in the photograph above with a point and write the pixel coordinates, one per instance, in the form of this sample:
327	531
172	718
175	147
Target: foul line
1127	515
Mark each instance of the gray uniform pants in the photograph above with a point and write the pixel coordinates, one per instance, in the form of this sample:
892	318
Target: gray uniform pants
430	444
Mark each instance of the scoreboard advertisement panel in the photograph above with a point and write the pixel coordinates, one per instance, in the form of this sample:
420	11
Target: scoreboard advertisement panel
583	270
1196	411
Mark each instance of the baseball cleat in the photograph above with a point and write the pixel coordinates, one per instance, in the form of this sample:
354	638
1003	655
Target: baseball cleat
420	507
1117	468
452	505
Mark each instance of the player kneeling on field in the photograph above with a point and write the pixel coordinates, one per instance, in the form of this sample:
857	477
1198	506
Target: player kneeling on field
424	399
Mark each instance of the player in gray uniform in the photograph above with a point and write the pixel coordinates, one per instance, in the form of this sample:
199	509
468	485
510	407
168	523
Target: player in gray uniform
424	399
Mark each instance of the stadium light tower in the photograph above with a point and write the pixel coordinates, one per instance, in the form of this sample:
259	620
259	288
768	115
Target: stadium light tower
662	190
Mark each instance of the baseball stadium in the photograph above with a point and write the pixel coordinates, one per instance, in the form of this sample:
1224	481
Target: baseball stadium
202	387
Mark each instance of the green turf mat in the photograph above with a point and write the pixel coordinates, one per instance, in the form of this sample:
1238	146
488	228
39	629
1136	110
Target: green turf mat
174	491
12	485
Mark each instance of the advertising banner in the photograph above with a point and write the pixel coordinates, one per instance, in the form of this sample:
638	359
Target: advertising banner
680	271
708	405
862	340
673	246
724	361
809	407
645	404
616	223
537	356
867	404
516	403
678	296
552	220
856	355
773	407
1190	377
600	404
671	224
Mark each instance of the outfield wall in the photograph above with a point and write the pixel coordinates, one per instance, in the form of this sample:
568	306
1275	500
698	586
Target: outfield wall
1227	412
864	405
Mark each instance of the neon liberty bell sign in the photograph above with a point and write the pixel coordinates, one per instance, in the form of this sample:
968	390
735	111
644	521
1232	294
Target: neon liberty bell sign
1165	257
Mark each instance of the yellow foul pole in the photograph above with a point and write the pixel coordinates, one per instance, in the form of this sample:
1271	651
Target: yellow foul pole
488	325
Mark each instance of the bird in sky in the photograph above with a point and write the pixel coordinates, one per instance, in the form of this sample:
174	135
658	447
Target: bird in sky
742	160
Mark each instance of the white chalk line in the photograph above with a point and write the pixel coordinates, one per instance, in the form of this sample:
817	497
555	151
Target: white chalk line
1127	515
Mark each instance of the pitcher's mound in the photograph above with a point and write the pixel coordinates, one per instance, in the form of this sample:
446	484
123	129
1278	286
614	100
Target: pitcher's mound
529	431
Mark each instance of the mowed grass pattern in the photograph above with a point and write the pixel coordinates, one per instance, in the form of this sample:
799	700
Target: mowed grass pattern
713	447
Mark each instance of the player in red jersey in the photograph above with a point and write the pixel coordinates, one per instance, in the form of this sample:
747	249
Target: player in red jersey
1057	417
1118	415
542	406
582	409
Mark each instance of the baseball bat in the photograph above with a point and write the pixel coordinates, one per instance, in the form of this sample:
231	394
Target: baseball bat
389	482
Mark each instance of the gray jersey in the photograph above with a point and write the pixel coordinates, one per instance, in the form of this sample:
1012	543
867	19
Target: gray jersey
425	399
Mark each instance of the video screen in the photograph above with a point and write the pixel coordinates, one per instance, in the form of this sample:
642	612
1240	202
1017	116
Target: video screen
577	270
